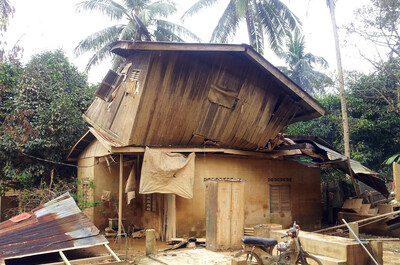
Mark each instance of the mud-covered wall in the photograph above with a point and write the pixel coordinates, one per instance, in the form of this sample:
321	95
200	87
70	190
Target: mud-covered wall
305	195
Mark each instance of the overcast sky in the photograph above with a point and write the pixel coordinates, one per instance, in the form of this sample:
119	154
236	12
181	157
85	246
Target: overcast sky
42	25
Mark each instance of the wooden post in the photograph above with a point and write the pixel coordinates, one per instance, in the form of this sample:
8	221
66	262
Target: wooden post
150	242
352	178
377	249
121	179
171	216
354	227
64	258
396	179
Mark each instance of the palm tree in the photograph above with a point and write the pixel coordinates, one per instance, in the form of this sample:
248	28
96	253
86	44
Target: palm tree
6	10
149	11
300	64
346	136
270	17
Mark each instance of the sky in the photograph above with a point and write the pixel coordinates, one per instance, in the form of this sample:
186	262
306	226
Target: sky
43	25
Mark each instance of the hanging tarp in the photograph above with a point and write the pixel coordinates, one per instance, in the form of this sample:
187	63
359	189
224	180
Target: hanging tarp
164	172
131	185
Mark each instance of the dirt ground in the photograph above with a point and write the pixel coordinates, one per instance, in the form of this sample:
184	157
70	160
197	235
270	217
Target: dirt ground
391	253
200	256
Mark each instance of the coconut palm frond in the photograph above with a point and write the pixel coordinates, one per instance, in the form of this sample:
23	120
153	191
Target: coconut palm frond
197	7
242	6
99	39
109	8
300	65
161	9
329	2
163	34
255	29
394	158
273	25
117	61
227	25
149	13
128	32
177	30
136	5
98	57
284	12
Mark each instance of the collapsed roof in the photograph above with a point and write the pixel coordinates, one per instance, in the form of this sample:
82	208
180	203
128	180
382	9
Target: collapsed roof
57	225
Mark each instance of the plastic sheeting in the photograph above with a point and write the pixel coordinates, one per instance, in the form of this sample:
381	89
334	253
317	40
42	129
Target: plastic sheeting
164	172
131	185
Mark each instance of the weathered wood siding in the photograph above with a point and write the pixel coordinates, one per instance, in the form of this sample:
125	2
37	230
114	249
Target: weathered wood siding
115	119
175	103
172	105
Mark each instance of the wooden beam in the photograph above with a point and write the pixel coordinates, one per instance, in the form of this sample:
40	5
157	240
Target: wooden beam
82	261
396	179
293	146
121	179
266	155
112	252
352	178
131	46
64	258
359	221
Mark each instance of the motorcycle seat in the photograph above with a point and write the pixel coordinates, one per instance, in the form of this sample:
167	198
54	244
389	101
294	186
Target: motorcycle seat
259	241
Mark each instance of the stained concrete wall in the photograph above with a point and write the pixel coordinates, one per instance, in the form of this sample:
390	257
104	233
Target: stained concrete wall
190	213
305	192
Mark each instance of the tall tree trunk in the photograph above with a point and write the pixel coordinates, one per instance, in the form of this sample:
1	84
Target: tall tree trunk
345	121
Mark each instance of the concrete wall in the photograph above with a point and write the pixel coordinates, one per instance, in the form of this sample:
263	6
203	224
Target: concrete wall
190	213
305	192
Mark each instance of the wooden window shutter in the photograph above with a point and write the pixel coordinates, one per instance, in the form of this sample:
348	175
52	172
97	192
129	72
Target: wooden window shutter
104	91
223	96
279	198
150	202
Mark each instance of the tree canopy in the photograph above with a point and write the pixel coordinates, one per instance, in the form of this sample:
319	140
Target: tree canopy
41	110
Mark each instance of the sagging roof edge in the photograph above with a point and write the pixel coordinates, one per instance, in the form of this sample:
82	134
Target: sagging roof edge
125	48
87	138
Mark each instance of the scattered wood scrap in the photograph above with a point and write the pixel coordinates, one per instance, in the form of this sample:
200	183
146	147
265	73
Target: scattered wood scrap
362	221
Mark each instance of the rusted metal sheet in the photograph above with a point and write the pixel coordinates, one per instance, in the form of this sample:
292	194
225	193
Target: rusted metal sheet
328	156
56	225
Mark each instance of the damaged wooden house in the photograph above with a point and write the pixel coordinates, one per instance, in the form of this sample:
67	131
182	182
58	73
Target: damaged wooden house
185	139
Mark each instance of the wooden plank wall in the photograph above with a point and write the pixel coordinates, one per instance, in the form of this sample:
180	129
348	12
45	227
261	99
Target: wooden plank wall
174	106
116	119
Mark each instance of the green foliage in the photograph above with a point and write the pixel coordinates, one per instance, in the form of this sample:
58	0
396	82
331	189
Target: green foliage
373	123
300	65
82	193
271	18
32	197
41	110
150	12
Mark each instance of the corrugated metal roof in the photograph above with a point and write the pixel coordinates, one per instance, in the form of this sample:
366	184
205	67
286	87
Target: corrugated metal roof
56	225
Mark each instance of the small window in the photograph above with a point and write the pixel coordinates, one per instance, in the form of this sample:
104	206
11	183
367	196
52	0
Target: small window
104	91
134	76
223	96
150	202
279	198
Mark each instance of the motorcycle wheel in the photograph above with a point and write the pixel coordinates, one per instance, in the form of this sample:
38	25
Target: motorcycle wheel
256	260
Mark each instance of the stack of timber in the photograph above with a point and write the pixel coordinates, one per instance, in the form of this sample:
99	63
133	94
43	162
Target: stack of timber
333	250
383	219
